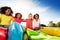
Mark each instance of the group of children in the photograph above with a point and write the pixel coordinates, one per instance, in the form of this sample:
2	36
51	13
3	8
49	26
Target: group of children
32	22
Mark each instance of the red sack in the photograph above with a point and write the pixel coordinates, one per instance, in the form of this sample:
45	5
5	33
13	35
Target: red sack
3	33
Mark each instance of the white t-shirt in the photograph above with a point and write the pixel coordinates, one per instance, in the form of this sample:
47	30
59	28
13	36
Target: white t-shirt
36	23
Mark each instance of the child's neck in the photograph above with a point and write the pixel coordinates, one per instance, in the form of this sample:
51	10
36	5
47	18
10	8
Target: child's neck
6	14
18	18
36	20
29	18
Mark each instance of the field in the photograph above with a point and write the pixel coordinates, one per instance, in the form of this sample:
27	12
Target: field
54	31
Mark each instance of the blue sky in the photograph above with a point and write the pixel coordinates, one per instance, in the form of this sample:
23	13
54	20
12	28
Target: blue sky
53	4
49	10
53	11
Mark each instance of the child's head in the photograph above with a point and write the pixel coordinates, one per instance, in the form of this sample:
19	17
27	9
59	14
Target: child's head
36	16
30	16
6	10
18	15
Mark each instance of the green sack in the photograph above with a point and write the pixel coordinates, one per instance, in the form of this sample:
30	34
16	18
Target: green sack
37	35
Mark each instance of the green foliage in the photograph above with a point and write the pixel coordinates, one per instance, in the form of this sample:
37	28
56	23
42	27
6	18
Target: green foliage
43	25
51	24
58	24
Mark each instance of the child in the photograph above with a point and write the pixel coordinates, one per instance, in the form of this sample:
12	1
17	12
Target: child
18	18
29	21
17	33
5	16
36	22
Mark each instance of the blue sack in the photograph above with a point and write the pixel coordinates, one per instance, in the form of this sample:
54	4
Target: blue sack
15	31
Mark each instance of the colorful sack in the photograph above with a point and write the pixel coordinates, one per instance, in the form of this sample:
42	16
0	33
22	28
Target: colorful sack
3	33
15	31
38	35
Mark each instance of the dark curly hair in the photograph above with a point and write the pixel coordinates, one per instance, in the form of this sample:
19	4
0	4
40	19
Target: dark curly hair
0	10
17	14
3	9
35	15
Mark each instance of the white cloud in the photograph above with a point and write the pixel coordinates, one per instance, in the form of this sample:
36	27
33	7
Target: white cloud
25	7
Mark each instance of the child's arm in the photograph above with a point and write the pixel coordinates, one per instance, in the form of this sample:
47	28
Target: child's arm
23	20
12	20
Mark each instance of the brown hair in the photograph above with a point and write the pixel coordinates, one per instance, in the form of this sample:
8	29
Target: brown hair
35	15
3	9
17	14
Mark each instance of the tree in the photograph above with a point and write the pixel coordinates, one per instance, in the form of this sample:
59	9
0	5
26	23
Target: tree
42	25
51	24
58	24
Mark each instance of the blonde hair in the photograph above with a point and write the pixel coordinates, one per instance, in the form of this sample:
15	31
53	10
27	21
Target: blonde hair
30	14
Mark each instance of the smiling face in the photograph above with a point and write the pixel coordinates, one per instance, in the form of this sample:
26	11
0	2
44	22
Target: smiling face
8	12
18	15
36	16
30	16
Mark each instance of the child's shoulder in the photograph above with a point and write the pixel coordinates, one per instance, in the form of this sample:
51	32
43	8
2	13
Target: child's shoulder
33	19
10	17
27	19
1	14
